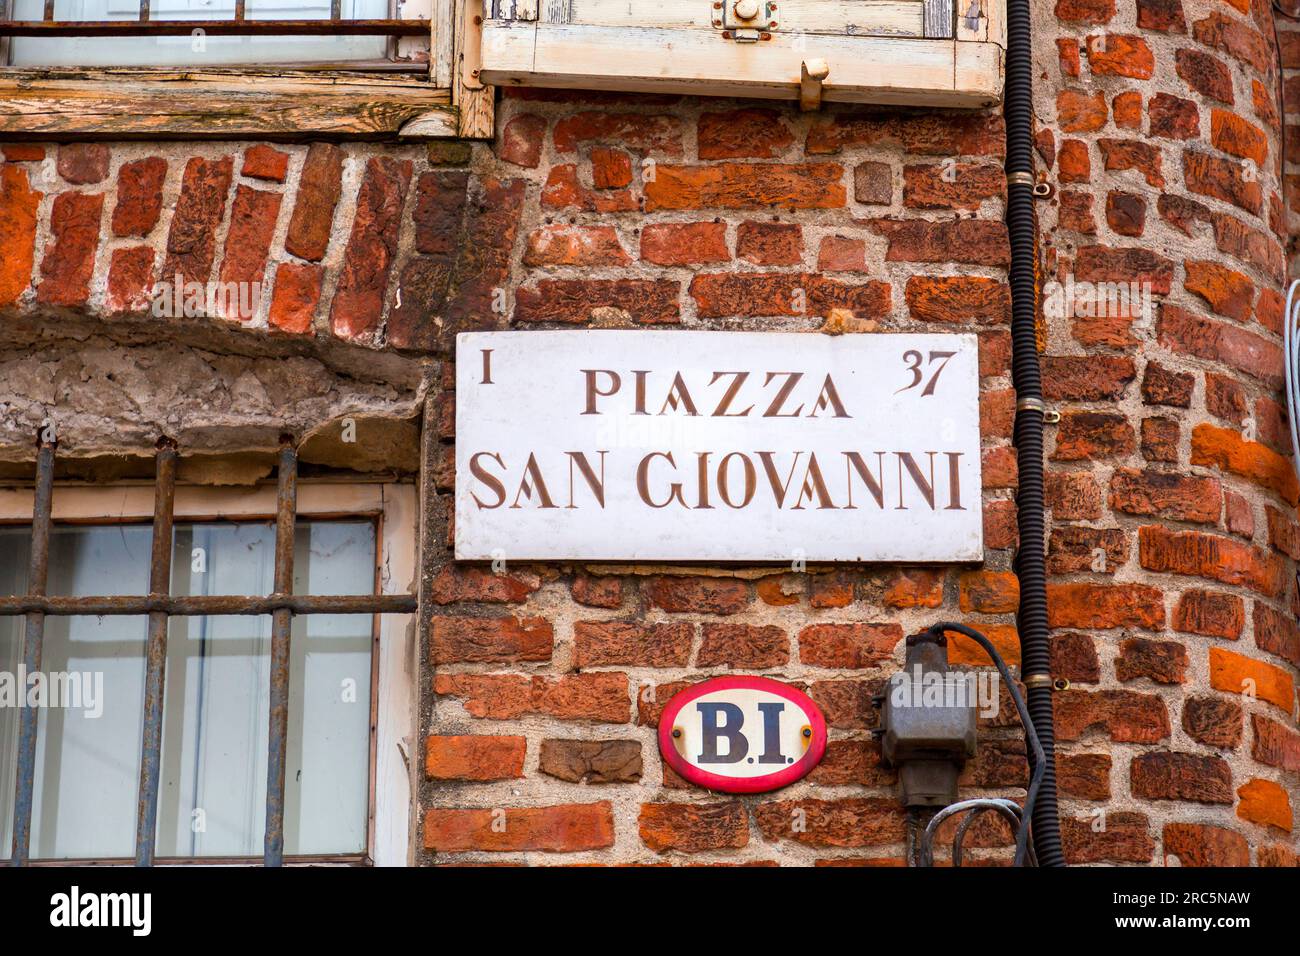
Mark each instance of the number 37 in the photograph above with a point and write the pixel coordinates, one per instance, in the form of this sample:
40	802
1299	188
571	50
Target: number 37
913	359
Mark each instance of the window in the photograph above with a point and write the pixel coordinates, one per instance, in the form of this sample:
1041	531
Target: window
232	68
350	694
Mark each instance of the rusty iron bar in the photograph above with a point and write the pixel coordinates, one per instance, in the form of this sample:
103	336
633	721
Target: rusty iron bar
198	605
217	28
239	10
144	11
48	13
286	506
160	573
33	640
336	10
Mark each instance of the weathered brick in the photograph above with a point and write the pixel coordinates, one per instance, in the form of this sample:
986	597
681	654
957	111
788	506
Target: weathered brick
973	241
521	140
1084	776
568	828
1160	439
1275	744
630	643
599	696
1206	74
367	261
263	162
1165	16
1126	716
474	757
1223	179
591	761
1120	837
1213	721
951	185
18	207
842	823
1209	613
740	646
681	244
1237	674
693	827
1138	155
69	261
1162	386
83	164
1227	291
253	216
1181	776
139	196
1203	338
873	184
1198	844
1118	54
1210	556
562	245
770	243
1225	449
319	187
1080	112
988	592
958	299
1265	802
1105	606
192	240
1168	495
1164	662
848	646
596	591
743	186
1080	548
701	595
647	301
454	640
130	279
718	295
841	254
1093	435
1172	117
743	134
1087	378
296	296
1276	633
456	583
645	132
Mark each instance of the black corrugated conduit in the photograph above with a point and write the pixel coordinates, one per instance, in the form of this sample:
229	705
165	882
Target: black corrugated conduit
1031	619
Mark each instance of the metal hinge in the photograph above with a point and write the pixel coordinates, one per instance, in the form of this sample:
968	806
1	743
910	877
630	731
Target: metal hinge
745	21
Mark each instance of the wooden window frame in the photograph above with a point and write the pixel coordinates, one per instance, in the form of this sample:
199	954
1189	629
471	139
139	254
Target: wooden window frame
393	507
279	103
955	61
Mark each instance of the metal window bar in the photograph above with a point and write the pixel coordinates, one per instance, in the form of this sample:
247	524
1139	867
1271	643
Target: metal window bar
160	605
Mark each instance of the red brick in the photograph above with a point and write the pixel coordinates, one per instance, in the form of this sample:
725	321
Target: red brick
591	761
1076	212
1092	436
693	827
1198	844
248	242
1209	613
1138	155
778	590
951	185
757	294
363	279
1283	533
640	131
1126	214
1105	606
999	468
746	186
454	640
263	162
1085	11
1180	776
192	239
1072	496
1203	338
739	646
1106	264
1076	547
521	140
1226	450
1164	662
1120	837
610	168
1085	776
130	279
1090	378
319	187
599	696
989	592
296	295
139	196
1232	134
1227	291
456	583
1236	39
743	134
22	153
842	823
1174	496
1126	108
440	198
597	591
958	299
69	260
1080	112
700	595
1222	179
83	164
18	206
1210	556
1160	439
1125	715
647	301
1275	745
629	643
770	243
1162	386
914	587
1266	803
575	246
1206	74
1163	15
1173	117
1213	721
568	828
1276	633
1118	54
925	133
474	757
848	646
847	703
1236	674
841	254
973	241
1238	515
564	191
873	184
1073	164
1000	524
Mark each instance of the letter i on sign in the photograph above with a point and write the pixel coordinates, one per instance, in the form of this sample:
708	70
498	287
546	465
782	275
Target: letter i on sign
487	367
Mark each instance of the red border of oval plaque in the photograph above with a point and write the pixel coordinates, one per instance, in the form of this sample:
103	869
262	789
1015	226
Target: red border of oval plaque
715	781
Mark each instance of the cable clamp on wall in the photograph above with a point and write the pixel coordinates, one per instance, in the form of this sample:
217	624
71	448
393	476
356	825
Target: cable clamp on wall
1022	179
1037	680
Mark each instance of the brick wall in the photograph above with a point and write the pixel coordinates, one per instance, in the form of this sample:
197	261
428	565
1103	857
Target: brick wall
1172	535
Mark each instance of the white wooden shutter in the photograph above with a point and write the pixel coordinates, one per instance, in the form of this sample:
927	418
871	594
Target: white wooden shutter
915	52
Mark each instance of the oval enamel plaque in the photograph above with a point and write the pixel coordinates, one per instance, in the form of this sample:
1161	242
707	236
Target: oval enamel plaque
742	734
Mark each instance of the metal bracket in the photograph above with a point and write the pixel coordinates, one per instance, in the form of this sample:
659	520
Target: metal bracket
744	21
812	73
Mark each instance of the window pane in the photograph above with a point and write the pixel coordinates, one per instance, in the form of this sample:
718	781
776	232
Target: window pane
87	757
213	782
213	793
196	51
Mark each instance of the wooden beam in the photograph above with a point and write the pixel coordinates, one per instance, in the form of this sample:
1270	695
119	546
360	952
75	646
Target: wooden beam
471	95
913	72
217	104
